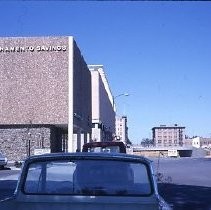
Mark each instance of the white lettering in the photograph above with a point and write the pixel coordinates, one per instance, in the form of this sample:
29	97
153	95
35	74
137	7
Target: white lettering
22	49
53	48
42	48
59	48
12	49
64	48
38	48
33	49
6	49
17	49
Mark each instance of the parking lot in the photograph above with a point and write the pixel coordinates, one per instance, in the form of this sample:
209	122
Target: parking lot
185	182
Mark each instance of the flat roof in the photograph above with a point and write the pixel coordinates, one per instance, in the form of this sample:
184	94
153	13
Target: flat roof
168	127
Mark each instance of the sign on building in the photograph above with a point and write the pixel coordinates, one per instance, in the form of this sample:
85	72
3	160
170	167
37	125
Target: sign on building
42	151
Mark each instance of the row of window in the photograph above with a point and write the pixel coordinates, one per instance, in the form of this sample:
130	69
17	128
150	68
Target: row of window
167	136
165	141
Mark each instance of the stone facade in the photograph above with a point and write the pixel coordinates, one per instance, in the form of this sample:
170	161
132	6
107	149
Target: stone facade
19	142
16	142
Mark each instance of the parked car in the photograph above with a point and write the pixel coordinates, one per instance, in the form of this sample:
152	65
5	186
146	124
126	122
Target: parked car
108	146
86	181
3	161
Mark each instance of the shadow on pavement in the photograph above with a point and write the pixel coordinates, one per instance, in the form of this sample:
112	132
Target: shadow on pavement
186	196
7	188
6	168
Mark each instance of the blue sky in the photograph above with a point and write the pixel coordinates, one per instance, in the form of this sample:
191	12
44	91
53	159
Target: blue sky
158	52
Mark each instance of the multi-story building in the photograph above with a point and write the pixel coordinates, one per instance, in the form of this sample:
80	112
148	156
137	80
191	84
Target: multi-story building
45	98
200	142
167	136
103	114
121	129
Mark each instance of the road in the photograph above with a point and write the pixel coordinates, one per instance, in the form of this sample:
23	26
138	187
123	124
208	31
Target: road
8	181
185	182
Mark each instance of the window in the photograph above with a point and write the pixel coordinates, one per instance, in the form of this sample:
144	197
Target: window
50	177
88	177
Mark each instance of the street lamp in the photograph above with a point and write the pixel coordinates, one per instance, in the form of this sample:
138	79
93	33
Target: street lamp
122	94
114	98
114	109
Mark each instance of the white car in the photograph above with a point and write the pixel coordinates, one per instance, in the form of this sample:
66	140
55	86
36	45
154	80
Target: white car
86	181
3	161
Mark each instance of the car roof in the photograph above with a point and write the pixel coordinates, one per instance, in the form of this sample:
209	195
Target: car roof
90	155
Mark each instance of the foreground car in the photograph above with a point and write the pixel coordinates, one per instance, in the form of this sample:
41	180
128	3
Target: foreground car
3	161
89	181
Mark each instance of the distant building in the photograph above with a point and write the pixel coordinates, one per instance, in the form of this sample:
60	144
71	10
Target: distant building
103	115
200	142
187	142
121	129
166	136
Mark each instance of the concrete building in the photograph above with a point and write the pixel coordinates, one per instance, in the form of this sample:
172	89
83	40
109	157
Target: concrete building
121	129
167	136
200	142
103	115
45	98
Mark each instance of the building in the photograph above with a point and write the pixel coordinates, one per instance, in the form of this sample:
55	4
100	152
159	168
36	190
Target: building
45	102
103	115
200	142
122	129
167	136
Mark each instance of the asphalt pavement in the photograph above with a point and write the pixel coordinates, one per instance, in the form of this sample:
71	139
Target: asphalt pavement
185	183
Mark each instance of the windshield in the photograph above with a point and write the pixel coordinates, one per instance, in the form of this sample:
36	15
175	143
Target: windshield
88	177
104	149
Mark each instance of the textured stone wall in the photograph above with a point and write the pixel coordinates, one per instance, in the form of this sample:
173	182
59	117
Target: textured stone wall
14	142
34	80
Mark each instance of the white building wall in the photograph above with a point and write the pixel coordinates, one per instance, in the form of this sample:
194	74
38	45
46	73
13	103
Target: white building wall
196	142
201	142
95	96
107	115
103	115
81	100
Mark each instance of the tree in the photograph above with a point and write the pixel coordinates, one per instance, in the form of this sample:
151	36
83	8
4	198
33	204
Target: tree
146	142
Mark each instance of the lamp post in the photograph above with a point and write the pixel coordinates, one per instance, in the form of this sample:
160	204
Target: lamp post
114	98
114	109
